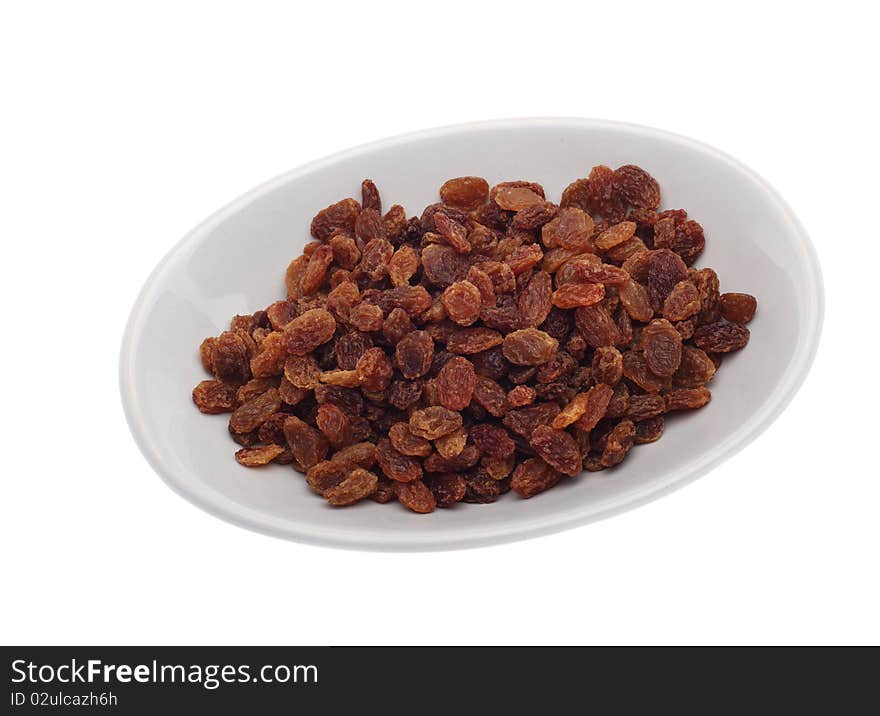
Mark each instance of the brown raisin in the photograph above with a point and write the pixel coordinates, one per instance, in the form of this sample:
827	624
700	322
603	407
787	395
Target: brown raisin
535	216
451	445
572	295
615	235
696	368
597	326
356	485
455	383
454	232
618	443
370	198
515	198
258	456
492	440
465	192
395	465
374	370
434	422
416	496
361	454
340	216
316	271
682	302
607	366
308	446
230	358
521	395
325	475
665	270
649	431
308	331
447	488
721	337
473	340
661	344
686	398
572	229
462	301
414	353
643	407
403	266
405	442
529	346
533	476
524	420
737	307
634	298
214	396
557	448
638	187
443	265
252	414
635	367
334	424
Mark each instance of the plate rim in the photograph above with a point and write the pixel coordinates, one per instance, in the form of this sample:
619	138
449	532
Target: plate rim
218	505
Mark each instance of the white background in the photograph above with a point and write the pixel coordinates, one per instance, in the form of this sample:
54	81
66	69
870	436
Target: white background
124	125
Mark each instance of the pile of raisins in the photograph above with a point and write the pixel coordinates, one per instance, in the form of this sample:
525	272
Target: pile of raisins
498	342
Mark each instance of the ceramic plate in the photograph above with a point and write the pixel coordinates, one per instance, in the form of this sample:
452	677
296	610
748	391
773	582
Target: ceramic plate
234	263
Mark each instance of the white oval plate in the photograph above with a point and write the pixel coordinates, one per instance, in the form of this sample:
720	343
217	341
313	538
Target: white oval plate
234	263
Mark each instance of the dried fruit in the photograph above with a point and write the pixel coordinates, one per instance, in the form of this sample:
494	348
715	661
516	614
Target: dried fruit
615	235
214	396
649	431
416	496
357	485
721	337
533	476
455	383
496	342
230	359
638	187
447	488
607	365
451	445
529	346
336	217
414	353
521	395
557	448
737	307
465	192
634	298
661	344
686	398
334	424
308	331
403	266
395	465
492	440
404	441
665	270
473	340
434	422
572	295
258	456
682	302
462	301
308	446
374	370
253	413
618	443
